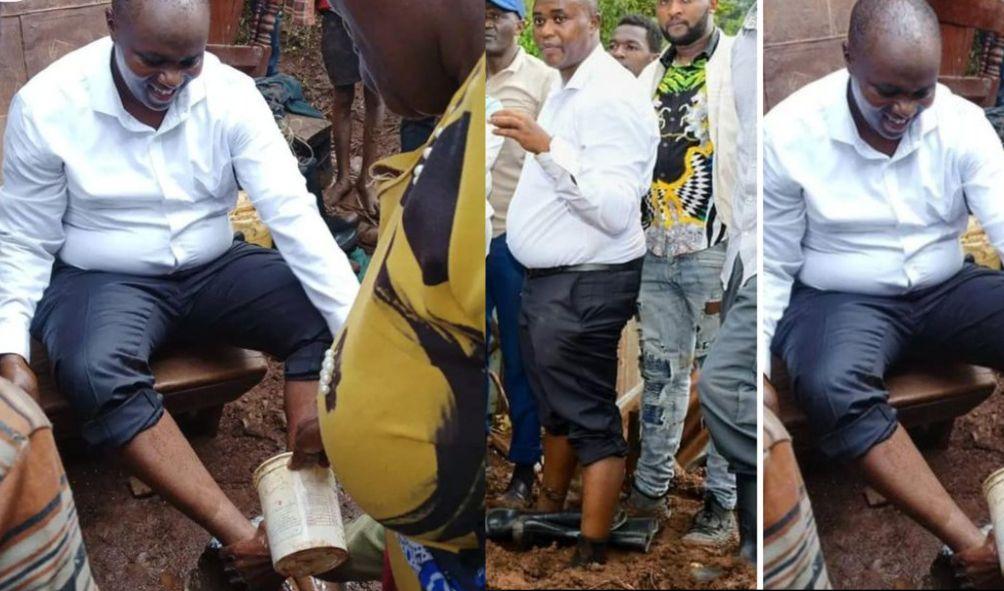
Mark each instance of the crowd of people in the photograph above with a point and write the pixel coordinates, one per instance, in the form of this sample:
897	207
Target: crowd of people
625	187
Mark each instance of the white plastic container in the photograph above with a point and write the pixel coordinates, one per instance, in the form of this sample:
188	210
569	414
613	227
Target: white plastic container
302	517
993	490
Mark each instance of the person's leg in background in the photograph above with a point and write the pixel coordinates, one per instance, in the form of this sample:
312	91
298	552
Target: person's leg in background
342	65
371	123
727	391
504	285
273	58
672	305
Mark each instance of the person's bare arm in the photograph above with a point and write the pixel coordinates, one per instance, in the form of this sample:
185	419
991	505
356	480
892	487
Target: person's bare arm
15	369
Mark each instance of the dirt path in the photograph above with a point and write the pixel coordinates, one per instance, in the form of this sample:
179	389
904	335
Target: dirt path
144	544
668	565
882	548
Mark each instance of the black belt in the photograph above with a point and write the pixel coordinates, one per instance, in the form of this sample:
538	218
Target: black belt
585	268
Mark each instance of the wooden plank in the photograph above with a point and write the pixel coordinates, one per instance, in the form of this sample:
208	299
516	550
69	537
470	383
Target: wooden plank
956	44
224	21
790	67
51	35
790	21
12	71
979	14
249	59
981	91
35	6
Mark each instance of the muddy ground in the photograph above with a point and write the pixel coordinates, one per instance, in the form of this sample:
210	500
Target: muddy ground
144	544
874	548
668	565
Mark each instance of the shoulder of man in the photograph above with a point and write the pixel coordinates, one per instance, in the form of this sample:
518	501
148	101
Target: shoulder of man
803	112
62	85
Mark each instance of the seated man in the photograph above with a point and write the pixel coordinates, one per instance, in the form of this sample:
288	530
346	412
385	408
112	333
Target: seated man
868	175
122	160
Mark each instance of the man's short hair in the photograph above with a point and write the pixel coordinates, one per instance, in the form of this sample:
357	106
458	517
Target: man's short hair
127	8
652	33
907	20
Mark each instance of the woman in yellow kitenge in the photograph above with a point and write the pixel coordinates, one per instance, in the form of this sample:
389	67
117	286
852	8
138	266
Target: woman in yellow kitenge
402	419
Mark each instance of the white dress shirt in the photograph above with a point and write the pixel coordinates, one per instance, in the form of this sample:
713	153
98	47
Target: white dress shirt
87	182
581	202
742	226
839	215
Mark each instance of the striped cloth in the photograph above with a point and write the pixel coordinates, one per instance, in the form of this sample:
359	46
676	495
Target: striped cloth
40	544
792	556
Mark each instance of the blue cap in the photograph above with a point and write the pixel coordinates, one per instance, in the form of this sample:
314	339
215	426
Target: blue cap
516	6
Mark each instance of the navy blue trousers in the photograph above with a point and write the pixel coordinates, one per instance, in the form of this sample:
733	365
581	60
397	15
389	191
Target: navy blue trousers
100	330
504	282
837	347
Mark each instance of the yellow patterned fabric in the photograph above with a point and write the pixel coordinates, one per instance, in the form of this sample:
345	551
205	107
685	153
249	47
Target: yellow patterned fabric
403	424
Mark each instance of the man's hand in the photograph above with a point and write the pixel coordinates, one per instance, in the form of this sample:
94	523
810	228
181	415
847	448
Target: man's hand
523	128
15	369
308	448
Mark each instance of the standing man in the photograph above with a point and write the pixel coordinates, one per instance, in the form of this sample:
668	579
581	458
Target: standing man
869	177
575	224
686	238
521	82
636	42
342	64
727	388
121	161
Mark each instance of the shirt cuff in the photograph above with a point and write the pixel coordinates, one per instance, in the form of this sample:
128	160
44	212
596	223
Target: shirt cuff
15	338
562	159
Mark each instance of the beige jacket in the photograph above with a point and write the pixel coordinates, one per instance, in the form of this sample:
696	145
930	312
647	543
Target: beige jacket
723	122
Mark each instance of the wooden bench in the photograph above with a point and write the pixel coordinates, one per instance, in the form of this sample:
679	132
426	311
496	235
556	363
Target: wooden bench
196	382
924	395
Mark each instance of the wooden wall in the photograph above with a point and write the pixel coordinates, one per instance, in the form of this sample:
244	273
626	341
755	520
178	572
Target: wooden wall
35	33
802	42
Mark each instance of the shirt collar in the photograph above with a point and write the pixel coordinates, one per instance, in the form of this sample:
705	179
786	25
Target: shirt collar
105	96
585	70
670	54
515	64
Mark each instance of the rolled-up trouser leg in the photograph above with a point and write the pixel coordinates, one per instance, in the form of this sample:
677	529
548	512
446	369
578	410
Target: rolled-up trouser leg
570	328
837	347
99	330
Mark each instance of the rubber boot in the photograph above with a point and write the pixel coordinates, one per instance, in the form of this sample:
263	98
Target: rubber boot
747	509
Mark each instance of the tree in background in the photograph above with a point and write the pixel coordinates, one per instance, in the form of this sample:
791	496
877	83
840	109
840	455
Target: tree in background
729	17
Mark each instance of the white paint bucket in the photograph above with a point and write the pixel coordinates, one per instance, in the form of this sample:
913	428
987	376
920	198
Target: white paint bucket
993	490
302	517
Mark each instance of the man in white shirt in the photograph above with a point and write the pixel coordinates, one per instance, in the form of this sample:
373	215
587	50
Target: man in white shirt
868	175
122	160
575	224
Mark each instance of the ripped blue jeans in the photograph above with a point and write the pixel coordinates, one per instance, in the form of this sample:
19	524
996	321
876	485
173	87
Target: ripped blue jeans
674	332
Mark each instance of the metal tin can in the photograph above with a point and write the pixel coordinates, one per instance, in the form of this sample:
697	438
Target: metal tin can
302	517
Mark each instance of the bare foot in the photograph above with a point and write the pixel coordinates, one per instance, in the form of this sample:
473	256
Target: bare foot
978	567
336	193
249	562
367	198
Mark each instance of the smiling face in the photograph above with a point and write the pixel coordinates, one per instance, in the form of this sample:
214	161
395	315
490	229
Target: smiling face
629	46
566	31
684	21
893	82
501	30
159	48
